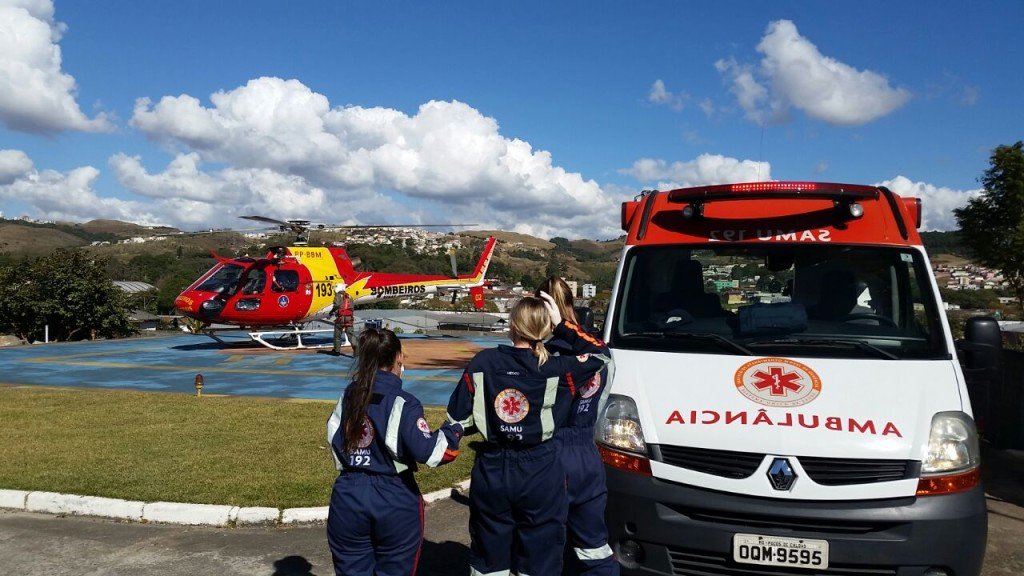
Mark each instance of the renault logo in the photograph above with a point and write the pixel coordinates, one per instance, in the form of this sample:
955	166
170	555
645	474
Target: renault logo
781	474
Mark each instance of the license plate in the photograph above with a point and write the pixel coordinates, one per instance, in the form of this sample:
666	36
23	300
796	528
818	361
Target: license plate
779	551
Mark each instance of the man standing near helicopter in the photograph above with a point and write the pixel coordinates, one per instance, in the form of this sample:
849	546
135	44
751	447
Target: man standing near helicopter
344	320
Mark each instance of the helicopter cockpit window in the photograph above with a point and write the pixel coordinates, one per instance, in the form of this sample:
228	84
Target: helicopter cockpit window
223	280
285	281
255	282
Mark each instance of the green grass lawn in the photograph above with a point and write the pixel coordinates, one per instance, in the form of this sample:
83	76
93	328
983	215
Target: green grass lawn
178	448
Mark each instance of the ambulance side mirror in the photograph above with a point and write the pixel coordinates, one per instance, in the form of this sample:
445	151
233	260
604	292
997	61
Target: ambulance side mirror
586	318
981	349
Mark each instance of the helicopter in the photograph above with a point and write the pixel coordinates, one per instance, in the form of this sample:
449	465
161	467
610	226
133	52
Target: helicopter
279	295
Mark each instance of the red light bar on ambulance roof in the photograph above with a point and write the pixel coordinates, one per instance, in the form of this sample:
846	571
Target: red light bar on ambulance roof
793	190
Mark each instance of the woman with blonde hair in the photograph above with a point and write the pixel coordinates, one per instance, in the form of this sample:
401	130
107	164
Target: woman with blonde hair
518	397
587	534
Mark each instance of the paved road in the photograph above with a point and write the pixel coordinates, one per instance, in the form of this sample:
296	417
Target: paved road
32	544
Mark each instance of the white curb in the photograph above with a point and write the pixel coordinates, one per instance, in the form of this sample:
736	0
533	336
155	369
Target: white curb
189	514
257	516
432	497
177	512
304	515
13	499
54	503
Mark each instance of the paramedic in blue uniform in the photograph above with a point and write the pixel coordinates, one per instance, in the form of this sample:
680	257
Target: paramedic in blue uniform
377	434
586	532
518	397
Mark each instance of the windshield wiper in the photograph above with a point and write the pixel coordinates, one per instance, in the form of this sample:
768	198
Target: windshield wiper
722	341
858	344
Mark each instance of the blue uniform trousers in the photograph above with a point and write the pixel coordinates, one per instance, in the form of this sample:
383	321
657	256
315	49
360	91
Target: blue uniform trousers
517	511
375	525
588	552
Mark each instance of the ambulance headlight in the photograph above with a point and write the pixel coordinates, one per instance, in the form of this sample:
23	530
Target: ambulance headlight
619	426
952	444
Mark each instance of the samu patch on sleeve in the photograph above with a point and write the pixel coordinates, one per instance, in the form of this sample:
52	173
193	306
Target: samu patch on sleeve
583	357
423	426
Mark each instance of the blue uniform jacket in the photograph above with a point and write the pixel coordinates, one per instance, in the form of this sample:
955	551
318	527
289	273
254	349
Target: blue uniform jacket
395	434
584	409
515	403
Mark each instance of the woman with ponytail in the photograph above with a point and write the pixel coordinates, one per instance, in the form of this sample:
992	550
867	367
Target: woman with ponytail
587	551
518	397
377	435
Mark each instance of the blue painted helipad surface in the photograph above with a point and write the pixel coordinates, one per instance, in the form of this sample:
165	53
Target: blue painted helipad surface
170	364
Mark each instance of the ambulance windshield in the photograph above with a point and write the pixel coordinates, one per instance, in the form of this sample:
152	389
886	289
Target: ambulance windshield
824	300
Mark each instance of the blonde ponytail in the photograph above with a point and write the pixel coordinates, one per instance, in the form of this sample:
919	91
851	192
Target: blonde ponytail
529	320
540	351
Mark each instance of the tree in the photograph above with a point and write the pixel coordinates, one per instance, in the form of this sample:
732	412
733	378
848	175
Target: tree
561	242
992	225
66	291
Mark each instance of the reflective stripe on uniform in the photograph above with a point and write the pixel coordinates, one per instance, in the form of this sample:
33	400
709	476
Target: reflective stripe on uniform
394	423
394	428
547	419
333	424
475	572
594	553
464	423
439	449
480	404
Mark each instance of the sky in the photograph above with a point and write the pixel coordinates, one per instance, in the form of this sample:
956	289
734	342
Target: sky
536	116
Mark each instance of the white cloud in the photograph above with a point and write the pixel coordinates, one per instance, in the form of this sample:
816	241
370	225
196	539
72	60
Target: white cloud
285	142
793	73
659	95
937	203
64	195
35	95
706	169
14	164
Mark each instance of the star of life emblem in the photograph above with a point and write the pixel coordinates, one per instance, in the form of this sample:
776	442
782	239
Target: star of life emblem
366	437
423	426
591	387
511	406
777	382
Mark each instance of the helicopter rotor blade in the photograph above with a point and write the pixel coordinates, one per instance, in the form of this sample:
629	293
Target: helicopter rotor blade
266	220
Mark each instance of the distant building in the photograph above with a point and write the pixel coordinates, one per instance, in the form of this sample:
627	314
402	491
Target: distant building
574	287
589	291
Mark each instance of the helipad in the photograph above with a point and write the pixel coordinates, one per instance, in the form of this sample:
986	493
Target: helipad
171	363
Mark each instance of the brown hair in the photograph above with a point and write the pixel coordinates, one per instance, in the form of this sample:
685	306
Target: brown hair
378	349
560	291
530	321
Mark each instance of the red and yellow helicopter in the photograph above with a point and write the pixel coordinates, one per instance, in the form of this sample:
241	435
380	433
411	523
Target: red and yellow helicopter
281	293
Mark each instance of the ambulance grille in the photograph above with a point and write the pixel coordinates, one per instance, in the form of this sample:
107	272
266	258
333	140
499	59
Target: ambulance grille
717	462
689	563
847	471
824	471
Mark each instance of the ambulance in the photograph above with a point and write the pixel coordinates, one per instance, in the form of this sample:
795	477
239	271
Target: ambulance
787	396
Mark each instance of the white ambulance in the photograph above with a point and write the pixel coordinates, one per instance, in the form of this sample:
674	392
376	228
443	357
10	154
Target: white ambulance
786	396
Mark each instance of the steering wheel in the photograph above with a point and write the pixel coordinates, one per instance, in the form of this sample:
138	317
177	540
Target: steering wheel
882	320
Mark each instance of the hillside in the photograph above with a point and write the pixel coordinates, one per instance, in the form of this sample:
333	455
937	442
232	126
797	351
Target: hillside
31	241
176	260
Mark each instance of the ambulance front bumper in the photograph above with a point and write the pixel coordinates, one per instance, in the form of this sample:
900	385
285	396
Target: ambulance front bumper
661	527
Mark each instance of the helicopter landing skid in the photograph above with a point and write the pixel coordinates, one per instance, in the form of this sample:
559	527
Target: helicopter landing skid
296	335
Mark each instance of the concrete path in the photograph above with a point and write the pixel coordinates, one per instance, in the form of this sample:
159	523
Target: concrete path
36	544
